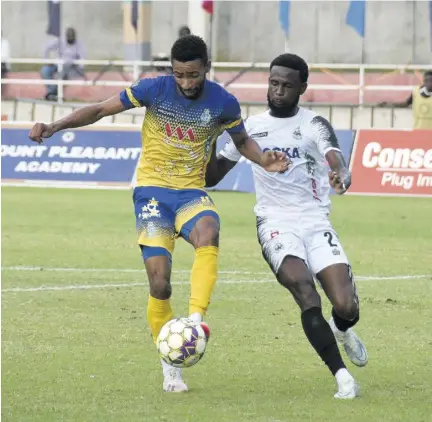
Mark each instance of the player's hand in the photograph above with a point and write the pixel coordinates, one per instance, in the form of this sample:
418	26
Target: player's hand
40	131
339	183
275	161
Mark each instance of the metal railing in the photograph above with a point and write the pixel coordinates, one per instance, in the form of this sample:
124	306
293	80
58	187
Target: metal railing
248	108
138	68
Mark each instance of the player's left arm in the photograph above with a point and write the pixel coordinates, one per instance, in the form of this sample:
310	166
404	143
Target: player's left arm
328	146
271	161
220	164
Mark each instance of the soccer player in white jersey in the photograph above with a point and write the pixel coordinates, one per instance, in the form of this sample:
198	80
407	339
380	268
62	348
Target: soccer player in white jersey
294	231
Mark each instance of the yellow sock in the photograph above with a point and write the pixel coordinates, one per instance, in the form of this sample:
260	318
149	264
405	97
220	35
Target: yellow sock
203	278
158	313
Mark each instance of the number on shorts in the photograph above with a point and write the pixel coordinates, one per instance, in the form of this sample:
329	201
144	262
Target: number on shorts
330	239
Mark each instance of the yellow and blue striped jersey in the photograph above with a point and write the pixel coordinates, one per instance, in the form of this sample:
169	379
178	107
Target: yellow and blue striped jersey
178	133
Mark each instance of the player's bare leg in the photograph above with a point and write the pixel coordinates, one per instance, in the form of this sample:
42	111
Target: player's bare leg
338	284
294	275
159	312
205	239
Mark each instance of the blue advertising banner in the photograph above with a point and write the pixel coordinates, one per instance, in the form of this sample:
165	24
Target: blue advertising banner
240	178
100	156
92	155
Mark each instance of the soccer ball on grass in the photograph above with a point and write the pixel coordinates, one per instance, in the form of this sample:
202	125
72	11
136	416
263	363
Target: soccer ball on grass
182	342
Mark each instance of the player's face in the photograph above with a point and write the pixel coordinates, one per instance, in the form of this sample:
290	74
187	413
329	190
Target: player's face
285	88
428	82
190	77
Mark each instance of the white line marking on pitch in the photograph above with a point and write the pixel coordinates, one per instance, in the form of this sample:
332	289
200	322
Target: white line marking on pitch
118	285
116	270
231	272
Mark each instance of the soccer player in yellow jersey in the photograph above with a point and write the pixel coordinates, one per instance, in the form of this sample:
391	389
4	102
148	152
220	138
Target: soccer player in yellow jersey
185	113
421	102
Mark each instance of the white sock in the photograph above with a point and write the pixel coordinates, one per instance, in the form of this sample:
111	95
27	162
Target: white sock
196	317
166	367
343	376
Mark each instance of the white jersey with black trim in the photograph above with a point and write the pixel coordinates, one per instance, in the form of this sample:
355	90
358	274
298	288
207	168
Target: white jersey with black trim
305	138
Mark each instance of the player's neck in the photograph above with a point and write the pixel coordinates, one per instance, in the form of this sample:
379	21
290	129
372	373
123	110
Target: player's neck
284	112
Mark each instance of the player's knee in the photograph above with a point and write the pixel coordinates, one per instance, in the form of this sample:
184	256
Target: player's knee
302	289
160	286
205	233
159	280
346	309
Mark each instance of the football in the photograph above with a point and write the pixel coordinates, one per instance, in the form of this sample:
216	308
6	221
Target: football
182	342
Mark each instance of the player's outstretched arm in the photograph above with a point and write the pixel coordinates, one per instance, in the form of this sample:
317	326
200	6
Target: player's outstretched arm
271	161
81	117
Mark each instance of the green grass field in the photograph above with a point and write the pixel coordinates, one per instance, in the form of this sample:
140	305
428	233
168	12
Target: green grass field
84	353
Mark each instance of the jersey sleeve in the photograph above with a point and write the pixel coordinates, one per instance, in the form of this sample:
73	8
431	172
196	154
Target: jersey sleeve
140	94
231	118
324	135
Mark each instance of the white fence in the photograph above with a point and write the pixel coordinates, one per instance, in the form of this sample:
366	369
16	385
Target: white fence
136	68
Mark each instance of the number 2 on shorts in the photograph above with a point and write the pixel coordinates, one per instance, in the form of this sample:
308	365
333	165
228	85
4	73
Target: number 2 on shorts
330	239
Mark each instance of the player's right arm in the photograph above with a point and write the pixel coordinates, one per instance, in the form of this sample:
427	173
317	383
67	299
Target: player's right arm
138	95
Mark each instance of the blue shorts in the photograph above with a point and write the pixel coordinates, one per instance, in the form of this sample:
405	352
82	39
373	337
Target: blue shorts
164	214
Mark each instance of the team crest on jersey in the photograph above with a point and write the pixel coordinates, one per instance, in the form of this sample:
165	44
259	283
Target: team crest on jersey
297	134
205	117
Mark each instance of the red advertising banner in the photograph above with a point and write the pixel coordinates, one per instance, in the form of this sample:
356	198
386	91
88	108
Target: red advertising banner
392	162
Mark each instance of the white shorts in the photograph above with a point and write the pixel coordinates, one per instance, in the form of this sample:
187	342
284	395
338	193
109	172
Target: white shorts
308	237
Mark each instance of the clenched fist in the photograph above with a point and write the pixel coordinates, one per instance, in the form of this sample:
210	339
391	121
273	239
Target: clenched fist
40	131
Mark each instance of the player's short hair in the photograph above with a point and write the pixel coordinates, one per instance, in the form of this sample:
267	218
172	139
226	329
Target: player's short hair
188	48
427	73
292	61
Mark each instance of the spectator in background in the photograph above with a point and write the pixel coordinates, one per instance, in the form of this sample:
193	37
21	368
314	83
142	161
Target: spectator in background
421	102
69	50
5	55
183	31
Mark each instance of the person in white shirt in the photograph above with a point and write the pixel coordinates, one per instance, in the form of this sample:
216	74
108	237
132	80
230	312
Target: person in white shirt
292	209
5	55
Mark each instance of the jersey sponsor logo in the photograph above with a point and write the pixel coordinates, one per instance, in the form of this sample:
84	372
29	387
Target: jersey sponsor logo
259	135
179	133
314	190
290	152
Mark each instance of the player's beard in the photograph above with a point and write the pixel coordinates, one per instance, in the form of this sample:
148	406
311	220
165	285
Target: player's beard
196	94
283	111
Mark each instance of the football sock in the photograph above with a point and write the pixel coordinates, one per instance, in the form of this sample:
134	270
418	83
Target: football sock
321	338
203	278
158	313
344	324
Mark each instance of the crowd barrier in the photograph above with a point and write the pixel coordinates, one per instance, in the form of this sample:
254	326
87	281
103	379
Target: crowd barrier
383	162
